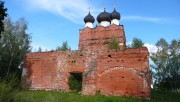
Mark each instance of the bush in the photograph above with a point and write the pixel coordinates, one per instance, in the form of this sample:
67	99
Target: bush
75	82
113	44
5	91
136	43
25	84
8	88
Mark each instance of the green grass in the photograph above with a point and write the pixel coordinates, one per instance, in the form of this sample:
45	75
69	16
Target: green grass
50	96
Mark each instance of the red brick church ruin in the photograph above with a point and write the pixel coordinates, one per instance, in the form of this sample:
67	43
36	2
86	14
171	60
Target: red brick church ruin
122	72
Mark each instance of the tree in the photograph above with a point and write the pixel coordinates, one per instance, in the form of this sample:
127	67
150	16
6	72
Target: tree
175	64
137	43
160	58
166	68
64	47
15	43
113	44
3	14
39	50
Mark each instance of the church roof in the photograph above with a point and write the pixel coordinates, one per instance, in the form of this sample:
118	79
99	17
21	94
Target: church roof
89	18
115	15
103	16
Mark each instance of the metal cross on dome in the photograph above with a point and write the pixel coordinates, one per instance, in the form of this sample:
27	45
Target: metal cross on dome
104	4
115	3
89	8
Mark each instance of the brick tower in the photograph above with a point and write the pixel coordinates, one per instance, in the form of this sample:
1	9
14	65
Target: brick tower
108	28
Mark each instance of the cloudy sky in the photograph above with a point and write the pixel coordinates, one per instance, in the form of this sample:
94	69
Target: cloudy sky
51	22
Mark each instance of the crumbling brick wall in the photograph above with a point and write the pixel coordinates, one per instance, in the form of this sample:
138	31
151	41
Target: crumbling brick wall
124	73
98	38
41	69
108	72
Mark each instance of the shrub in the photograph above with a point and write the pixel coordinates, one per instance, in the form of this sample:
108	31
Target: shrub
75	82
137	43
25	84
113	44
5	91
8	87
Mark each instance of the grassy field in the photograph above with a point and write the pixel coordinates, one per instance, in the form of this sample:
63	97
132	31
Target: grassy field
50	96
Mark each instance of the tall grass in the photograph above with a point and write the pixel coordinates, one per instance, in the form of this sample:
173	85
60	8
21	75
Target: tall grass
50	96
8	88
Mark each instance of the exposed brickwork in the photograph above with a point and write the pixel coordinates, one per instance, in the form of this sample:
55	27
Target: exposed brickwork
124	73
108	72
41	68
97	38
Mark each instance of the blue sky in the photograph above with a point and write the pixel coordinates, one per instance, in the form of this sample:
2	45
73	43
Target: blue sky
51	22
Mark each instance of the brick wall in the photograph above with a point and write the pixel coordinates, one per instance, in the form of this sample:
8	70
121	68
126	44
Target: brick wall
124	73
98	38
41	69
108	72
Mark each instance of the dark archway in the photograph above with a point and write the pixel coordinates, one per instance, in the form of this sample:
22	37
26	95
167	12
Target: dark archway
75	82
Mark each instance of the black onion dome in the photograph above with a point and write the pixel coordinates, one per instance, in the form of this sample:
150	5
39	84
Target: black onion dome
89	18
103	16
115	15
98	19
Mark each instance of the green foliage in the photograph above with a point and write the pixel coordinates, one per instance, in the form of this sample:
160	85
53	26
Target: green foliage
64	47
39	49
50	96
113	44
75	82
25	83
8	88
164	96
3	14
15	43
137	43
166	68
5	89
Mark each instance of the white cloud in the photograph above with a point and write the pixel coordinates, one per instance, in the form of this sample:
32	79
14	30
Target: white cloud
141	18
151	48
74	10
128	43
